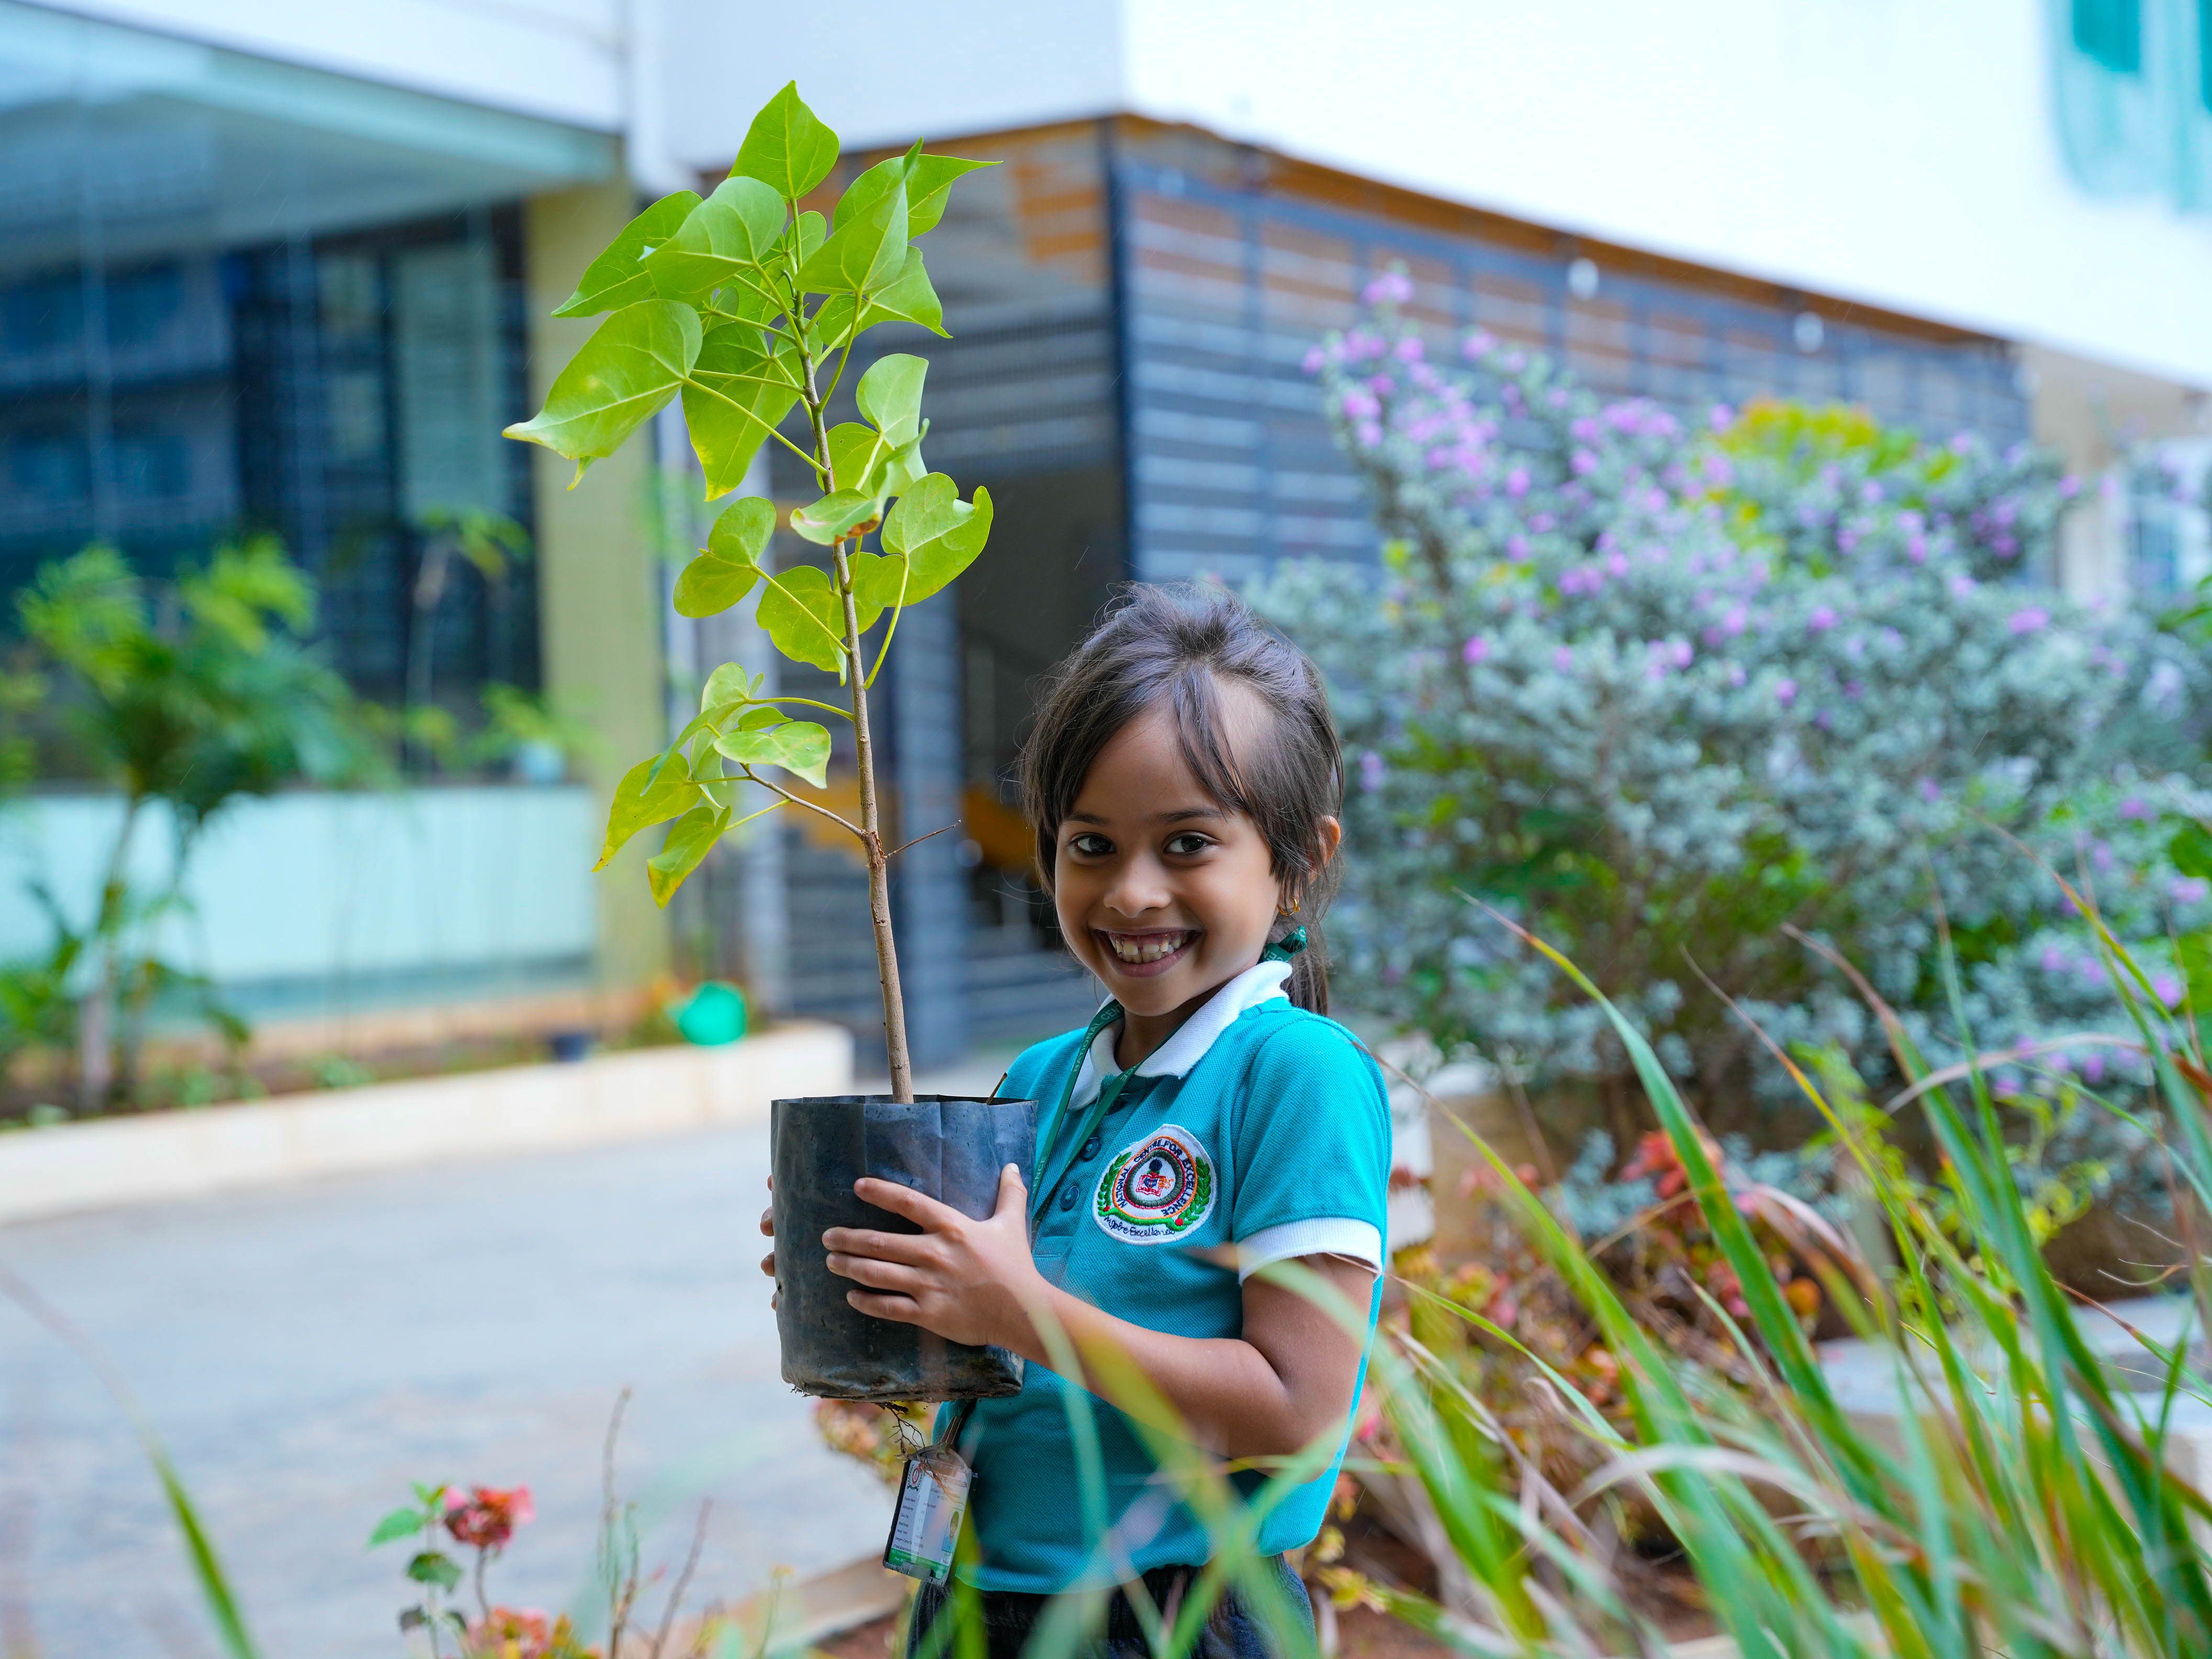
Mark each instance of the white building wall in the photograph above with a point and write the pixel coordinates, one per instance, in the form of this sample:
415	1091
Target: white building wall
564	60
1889	151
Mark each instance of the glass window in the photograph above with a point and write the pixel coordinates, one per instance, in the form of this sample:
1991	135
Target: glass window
238	297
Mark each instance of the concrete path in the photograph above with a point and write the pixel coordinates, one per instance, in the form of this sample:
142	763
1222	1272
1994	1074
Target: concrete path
306	1353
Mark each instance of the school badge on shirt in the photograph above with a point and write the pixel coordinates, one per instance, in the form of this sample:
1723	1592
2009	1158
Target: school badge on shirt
1156	1190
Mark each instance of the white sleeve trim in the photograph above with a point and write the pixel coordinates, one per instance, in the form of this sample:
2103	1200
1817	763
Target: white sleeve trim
1332	1235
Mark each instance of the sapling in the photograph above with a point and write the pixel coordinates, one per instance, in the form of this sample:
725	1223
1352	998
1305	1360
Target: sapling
747	306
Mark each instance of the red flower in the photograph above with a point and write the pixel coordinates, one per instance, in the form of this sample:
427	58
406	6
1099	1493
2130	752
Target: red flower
487	1517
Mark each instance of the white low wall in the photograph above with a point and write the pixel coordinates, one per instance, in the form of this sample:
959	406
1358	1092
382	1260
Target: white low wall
389	1126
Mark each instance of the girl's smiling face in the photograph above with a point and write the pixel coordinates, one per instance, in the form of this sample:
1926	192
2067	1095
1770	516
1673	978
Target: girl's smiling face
1163	892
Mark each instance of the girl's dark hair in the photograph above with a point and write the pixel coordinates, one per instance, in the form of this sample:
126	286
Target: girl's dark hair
1176	646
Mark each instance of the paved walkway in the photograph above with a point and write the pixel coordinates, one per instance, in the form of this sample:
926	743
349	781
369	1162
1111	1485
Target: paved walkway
306	1353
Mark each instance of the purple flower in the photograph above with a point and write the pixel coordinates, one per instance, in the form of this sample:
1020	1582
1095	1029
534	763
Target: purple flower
2167	989
1915	548
1679	654
1721	418
1736	620
2068	488
2135	807
1313	360
1931	791
2093	1068
1720	471
1371	771
1480	343
1392	287
1476	648
1785	693
1516	545
2028	619
1517	483
2188	890
1822	619
1736	674
1617	564
1584	462
1962	586
1962	443
2053	960
1563	660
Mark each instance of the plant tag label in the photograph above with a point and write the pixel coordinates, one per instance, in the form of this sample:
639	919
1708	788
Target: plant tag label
932	1498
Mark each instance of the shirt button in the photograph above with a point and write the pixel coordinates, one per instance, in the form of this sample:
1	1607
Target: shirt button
1090	1151
1068	1196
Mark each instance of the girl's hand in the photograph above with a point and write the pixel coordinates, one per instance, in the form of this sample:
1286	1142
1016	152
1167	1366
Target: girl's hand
767	1226
966	1280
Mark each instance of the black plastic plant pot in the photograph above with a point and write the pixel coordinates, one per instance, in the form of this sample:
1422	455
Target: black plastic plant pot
950	1147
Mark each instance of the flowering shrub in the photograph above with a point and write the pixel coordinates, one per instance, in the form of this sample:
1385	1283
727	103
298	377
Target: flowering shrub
1668	696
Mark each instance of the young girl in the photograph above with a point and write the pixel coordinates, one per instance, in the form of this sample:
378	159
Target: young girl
1183	778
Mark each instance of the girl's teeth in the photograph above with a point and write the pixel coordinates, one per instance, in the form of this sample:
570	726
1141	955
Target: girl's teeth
1148	950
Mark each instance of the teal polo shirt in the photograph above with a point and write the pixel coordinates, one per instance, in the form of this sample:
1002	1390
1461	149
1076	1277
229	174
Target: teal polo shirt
1257	1125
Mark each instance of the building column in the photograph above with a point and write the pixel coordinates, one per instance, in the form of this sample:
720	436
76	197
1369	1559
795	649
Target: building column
599	574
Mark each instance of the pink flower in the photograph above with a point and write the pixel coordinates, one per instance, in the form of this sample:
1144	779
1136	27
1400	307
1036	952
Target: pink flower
1392	287
1476	649
2167	989
1480	343
1584	462
1822	619
487	1517
1517	483
1785	692
2027	619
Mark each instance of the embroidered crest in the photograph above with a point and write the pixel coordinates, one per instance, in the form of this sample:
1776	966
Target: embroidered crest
1156	1190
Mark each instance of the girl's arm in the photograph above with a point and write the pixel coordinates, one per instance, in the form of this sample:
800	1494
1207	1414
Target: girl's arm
1288	1379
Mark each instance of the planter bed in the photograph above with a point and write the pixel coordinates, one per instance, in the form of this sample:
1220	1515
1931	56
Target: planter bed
105	1162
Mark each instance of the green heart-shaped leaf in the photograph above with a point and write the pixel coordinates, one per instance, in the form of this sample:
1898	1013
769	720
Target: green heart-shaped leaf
890	396
615	278
873	185
929	186
787	146
938	533
856	455
723	240
636	806
728	567
629	368
802	617
833	516
730	686
909	299
736	393
690	838
798	746
865	252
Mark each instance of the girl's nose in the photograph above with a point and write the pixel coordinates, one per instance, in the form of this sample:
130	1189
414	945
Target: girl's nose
1137	886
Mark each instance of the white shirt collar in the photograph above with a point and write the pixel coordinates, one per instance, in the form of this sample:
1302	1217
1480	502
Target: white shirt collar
1261	983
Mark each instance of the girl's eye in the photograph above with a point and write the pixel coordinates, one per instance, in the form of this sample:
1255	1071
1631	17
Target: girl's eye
1090	846
1189	844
